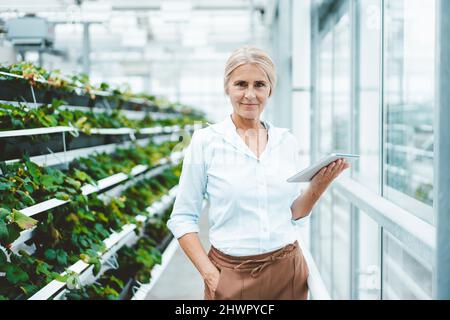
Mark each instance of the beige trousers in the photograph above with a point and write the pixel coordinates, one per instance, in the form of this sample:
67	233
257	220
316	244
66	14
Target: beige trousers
276	275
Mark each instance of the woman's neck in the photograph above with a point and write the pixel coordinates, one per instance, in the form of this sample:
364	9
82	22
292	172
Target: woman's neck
246	124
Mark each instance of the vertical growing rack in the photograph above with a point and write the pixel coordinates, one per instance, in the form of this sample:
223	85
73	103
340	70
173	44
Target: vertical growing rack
61	146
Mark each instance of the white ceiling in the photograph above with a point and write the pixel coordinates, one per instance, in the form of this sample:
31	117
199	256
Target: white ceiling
149	25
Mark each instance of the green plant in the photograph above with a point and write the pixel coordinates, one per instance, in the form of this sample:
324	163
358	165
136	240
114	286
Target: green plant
138	261
40	78
25	184
108	287
24	275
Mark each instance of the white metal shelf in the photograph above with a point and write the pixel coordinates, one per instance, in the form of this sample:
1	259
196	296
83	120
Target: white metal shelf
19	243
36	131
68	156
21	77
129	114
98	131
43	206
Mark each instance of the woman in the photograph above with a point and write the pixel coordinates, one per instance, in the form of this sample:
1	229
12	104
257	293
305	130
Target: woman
241	165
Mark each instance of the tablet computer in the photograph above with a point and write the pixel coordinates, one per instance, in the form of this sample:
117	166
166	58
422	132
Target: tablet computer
307	174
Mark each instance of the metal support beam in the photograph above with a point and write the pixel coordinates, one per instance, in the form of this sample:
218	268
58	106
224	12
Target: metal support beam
252	21
282	40
314	247
442	154
86	49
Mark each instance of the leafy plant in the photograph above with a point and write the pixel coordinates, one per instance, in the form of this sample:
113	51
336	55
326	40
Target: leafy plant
25	184
24	275
23	117
38	77
108	287
135	262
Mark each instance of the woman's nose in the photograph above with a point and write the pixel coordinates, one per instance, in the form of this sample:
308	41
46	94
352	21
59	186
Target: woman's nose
250	93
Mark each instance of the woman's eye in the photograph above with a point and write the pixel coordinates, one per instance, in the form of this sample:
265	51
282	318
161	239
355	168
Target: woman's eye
260	85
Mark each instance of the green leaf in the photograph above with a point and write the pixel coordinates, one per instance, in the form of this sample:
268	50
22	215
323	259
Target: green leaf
50	254
15	274
4	213
80	122
17	123
50	121
117	281
48	180
97	266
29	188
28	289
83	242
62	196
43	268
74	183
59	277
61	257
13	233
26	199
5	186
3	231
81	175
3	258
23	221
33	169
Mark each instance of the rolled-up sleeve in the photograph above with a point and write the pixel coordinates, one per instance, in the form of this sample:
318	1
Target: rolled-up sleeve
191	190
301	222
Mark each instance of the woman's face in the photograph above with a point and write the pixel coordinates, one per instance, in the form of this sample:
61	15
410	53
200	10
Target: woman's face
248	89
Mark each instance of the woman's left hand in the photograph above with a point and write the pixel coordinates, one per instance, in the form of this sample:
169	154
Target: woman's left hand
324	177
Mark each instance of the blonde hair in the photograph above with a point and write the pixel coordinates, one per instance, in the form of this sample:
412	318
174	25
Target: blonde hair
250	55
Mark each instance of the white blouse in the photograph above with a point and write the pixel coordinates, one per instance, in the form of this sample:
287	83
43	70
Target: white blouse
250	200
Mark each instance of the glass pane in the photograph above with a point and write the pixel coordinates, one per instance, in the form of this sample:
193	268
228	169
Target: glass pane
409	103
301	114
368	242
324	239
367	102
325	98
342	86
404	275
341	247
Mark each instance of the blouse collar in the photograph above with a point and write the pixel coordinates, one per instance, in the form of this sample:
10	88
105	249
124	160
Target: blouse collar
227	129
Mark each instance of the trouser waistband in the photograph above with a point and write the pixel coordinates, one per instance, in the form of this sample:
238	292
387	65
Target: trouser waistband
254	263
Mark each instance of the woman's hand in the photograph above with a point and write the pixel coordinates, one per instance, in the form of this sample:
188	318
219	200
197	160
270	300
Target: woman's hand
302	206
324	177
212	280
